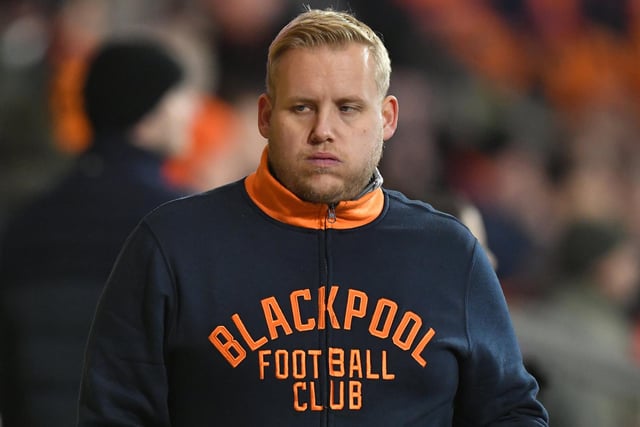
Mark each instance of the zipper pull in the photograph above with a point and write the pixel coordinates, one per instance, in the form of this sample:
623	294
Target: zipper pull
331	213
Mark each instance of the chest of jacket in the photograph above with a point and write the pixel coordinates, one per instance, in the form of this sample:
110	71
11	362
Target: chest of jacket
305	319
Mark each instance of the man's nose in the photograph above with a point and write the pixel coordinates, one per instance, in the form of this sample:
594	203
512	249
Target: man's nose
323	128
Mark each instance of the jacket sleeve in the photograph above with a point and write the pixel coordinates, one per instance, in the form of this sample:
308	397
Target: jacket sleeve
495	388
124	380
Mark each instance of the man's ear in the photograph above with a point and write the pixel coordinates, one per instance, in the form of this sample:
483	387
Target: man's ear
389	116
264	115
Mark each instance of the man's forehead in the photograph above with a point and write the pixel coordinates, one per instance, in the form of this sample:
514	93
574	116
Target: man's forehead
354	49
340	68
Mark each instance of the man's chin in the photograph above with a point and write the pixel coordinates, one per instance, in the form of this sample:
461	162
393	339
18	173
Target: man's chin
321	191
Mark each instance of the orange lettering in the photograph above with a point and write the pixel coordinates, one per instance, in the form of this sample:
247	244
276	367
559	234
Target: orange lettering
300	407
229	347
315	355
355	395
295	307
351	310
262	363
382	304
322	307
282	364
370	375
274	317
336	362
327	307
385	373
332	395
416	353
253	345
299	364
404	323
315	406
355	364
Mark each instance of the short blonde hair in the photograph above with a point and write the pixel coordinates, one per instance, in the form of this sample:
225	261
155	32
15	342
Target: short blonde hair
315	28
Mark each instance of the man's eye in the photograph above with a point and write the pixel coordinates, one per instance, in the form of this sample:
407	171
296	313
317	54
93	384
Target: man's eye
300	108
348	108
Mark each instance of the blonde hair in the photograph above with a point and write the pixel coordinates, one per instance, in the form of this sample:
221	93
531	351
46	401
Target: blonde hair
315	28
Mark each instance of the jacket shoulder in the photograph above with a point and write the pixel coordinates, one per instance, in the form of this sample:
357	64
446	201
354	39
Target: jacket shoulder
194	209
421	212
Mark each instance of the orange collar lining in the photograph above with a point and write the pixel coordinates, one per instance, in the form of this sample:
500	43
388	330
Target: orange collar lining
281	204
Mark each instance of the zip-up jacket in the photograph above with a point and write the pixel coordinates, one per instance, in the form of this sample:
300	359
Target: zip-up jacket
246	306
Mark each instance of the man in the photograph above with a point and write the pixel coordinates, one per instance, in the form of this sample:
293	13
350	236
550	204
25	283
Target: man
57	253
306	294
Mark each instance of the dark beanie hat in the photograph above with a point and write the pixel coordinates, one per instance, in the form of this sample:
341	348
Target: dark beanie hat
125	80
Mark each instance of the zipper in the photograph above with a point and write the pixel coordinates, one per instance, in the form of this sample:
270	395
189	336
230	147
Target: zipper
331	218
325	380
331	213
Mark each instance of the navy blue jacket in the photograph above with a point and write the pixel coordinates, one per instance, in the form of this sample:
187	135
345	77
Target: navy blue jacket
56	255
246	306
78	227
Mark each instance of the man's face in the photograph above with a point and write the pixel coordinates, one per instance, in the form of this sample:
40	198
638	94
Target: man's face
326	122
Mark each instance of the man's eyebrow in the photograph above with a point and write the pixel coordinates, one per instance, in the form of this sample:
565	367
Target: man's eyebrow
350	99
298	99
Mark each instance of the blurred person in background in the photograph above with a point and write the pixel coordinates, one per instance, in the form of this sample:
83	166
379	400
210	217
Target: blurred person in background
214	154
28	160
580	334
240	32
468	214
237	34
56	254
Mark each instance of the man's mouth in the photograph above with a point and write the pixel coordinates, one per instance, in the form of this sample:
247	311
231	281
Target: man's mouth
323	160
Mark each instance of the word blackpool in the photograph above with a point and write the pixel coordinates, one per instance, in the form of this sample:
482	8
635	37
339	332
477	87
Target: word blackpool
381	319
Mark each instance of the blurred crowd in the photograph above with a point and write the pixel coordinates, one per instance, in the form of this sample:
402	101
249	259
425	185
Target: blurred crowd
528	110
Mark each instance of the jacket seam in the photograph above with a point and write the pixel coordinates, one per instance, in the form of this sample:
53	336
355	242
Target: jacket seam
173	313
467	298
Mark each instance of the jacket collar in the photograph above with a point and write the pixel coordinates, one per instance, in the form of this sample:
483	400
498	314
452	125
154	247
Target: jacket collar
281	204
